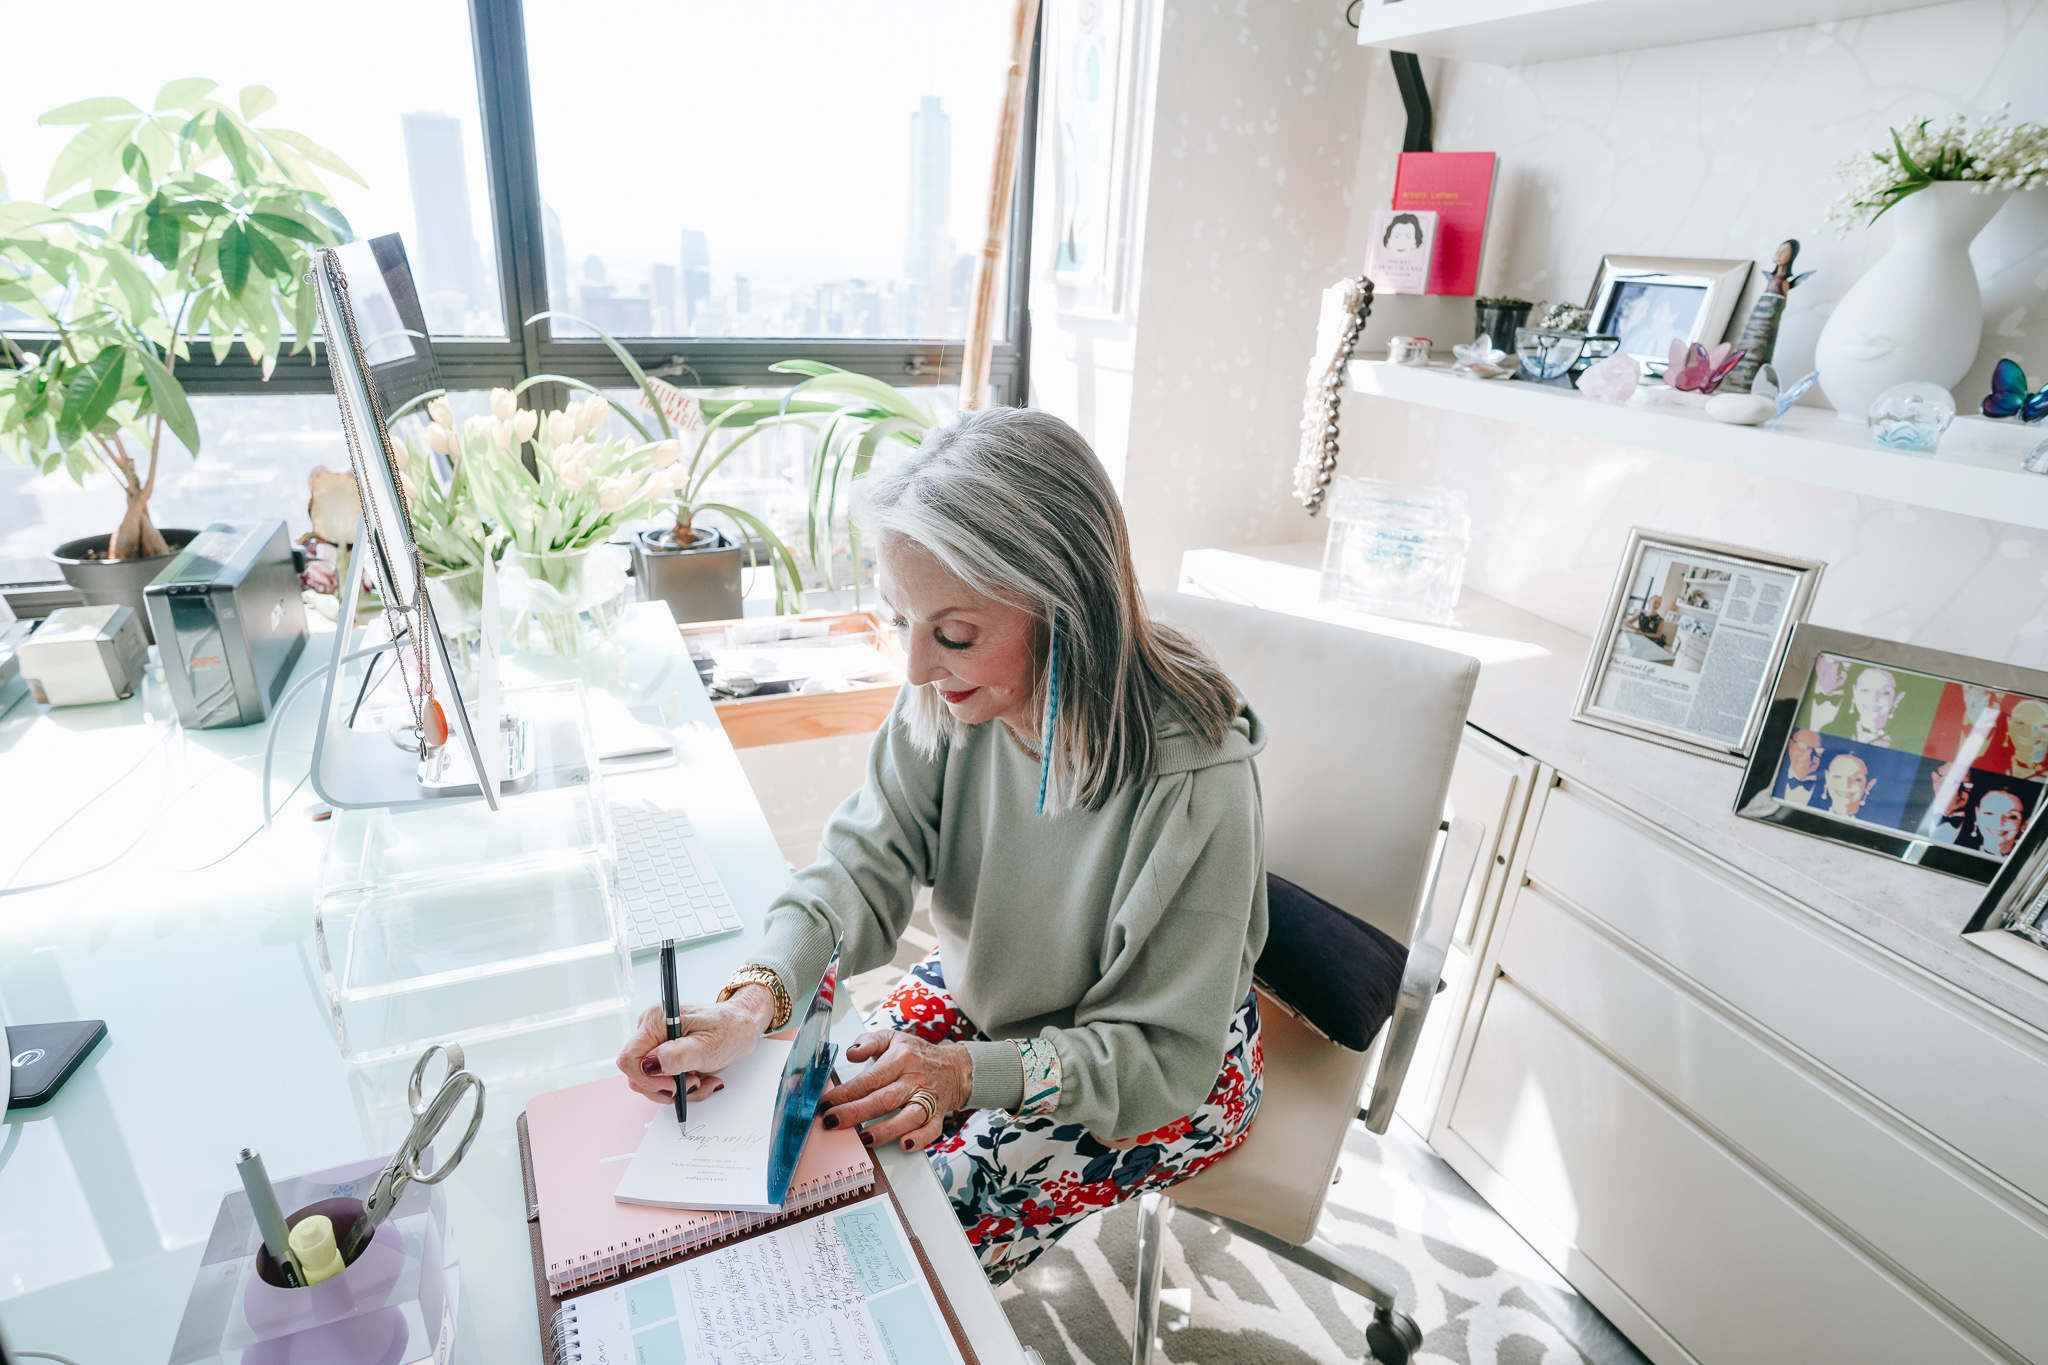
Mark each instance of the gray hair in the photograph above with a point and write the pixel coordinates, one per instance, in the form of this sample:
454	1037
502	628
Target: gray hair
1013	503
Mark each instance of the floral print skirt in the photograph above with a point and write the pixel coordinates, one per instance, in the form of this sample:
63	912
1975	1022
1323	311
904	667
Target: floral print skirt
1018	1183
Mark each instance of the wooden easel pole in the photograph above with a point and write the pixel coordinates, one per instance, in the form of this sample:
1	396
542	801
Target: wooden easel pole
981	313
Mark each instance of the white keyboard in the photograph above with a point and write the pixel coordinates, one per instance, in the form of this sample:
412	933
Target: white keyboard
667	886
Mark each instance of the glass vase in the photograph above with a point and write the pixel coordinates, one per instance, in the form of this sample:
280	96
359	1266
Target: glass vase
458	600
561	601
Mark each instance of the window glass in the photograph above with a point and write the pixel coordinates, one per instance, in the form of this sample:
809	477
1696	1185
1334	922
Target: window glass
802	168
389	86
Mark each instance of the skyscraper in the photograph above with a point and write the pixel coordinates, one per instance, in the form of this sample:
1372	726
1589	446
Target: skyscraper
445	250
557	259
696	274
925	246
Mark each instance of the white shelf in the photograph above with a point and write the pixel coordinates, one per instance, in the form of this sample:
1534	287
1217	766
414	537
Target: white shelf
1514	32
1975	472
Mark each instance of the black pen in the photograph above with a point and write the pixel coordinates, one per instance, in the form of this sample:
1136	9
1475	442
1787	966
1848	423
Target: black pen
672	1010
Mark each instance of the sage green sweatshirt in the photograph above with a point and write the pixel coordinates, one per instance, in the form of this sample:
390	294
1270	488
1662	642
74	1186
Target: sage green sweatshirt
1123	936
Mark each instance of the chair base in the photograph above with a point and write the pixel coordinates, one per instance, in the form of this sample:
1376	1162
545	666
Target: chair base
1393	1338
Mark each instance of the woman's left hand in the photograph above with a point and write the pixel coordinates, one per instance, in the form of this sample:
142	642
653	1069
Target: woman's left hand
905	1065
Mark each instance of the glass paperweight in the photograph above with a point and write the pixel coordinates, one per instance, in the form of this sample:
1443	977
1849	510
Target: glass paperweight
2037	460
1546	354
1396	549
1911	416
448	920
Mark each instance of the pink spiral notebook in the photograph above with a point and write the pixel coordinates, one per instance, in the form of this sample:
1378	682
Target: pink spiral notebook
582	1139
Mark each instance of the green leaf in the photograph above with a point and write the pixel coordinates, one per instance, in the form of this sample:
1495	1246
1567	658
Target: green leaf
137	165
90	392
135	286
92	201
90	154
264	255
88	111
184	94
234	259
830	379
169	397
157	144
315	153
329	215
292	227
304	302
238	151
257	100
777	551
164	234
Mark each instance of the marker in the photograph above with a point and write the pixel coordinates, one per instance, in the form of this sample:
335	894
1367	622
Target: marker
269	1217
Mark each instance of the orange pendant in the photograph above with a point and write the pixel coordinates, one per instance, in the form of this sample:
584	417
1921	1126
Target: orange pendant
434	722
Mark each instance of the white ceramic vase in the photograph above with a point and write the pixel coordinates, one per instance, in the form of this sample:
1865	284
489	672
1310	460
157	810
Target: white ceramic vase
1917	313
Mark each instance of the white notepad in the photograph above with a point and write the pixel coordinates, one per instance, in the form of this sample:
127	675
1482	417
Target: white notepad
719	1159
844	1286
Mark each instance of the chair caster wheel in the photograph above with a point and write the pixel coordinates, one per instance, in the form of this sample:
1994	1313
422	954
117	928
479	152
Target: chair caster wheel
1393	1337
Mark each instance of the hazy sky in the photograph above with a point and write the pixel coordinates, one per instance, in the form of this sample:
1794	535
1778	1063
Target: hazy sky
778	127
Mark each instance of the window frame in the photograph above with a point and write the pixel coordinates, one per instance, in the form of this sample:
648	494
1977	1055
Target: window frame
511	167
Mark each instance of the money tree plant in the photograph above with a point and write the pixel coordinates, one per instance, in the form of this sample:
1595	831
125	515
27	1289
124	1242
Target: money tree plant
160	232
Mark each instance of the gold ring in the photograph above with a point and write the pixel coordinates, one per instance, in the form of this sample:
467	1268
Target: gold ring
929	1102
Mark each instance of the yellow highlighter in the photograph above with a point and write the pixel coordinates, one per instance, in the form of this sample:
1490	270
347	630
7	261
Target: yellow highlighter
313	1242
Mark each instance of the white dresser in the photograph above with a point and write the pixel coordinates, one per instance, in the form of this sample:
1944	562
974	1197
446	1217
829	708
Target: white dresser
1750	1092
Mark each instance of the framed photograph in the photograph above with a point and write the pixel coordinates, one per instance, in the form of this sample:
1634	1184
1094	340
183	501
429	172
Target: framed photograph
1930	758
1691	640
1652	301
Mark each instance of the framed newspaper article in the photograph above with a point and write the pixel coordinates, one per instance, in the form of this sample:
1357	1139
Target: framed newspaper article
1690	644
1931	758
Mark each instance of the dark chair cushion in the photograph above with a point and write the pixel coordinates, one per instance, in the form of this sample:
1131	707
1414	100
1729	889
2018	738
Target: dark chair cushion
1339	974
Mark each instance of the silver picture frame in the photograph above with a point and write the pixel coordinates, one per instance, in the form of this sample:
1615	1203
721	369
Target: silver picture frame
2012	920
1728	579
1715	286
1940	817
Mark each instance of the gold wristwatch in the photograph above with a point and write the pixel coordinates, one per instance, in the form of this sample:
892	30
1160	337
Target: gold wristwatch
762	976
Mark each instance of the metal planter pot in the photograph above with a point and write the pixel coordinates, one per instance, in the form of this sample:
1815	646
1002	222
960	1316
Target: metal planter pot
699	583
116	582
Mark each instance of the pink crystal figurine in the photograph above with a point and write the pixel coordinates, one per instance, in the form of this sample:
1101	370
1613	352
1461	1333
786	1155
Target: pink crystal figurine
1611	380
1695	369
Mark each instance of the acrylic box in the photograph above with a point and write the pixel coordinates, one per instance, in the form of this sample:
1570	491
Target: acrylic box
450	921
1395	549
395	1305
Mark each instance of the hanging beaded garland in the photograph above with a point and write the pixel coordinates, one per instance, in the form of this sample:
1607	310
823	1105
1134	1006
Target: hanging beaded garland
1318	459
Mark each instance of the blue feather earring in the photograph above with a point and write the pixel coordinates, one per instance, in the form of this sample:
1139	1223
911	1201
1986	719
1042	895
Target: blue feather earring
1052	713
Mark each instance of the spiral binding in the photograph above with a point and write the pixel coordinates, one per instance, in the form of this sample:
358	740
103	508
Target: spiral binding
564	1340
701	1232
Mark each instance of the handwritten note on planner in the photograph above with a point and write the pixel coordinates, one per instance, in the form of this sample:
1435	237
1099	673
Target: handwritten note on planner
719	1159
840	1289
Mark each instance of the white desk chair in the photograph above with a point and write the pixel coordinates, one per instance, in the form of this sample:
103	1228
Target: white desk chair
1362	731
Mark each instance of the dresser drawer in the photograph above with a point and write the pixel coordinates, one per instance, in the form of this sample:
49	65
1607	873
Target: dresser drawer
1964	1240
1973	1077
1733	1270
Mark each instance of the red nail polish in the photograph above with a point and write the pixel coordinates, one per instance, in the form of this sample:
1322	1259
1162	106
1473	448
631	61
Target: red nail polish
867	1139
650	1066
909	1144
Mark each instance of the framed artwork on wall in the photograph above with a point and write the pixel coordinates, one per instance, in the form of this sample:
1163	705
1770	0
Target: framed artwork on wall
1690	642
1931	758
1652	301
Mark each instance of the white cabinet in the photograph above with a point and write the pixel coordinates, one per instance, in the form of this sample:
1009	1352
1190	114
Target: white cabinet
1747	1134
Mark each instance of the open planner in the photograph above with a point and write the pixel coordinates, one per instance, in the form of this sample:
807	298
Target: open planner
846	1285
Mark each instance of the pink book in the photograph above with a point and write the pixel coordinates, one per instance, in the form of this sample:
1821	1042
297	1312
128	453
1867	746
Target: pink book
1457	187
582	1140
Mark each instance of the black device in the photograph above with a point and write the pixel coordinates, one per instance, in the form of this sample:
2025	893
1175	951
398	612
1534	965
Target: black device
41	1057
230	622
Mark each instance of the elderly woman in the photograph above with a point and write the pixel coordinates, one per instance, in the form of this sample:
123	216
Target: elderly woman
1074	782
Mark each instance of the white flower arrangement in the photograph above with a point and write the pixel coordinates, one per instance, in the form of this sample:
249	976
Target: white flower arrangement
1998	155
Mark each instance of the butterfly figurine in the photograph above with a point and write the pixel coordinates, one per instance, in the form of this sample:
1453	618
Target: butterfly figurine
2009	396
1697	369
1766	386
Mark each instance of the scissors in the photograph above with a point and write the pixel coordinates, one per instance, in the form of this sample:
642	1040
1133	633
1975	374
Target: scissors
429	1118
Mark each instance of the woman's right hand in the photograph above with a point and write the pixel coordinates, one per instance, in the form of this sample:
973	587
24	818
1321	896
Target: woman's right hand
713	1037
